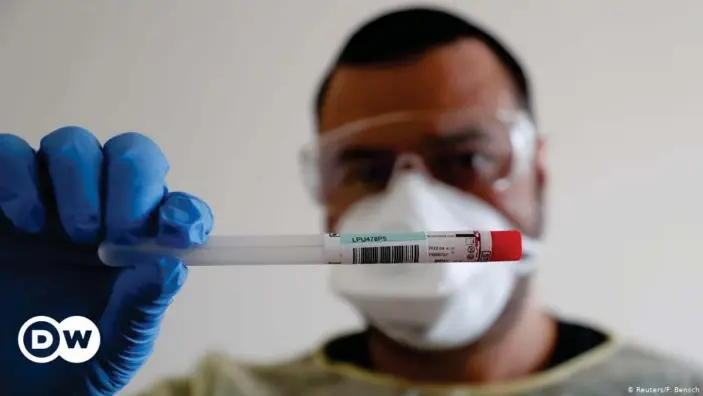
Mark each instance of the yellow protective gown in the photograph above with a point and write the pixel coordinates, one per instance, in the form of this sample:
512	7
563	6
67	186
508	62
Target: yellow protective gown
610	369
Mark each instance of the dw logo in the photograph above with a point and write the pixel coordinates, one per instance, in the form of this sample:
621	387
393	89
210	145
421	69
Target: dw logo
42	339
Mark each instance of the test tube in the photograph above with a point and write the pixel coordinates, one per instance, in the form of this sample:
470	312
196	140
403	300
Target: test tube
332	248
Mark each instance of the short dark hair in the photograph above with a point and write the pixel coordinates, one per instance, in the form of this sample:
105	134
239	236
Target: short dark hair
409	33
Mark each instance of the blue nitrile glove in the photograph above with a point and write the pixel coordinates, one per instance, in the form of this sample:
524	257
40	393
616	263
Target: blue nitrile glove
56	206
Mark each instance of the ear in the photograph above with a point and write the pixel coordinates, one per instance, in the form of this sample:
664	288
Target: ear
541	163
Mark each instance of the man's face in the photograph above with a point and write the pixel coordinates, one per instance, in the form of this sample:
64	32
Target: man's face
462	75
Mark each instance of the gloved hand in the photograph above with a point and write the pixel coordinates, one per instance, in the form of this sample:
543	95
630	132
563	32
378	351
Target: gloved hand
56	206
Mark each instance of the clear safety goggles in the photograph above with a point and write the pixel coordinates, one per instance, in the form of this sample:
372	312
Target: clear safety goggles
469	149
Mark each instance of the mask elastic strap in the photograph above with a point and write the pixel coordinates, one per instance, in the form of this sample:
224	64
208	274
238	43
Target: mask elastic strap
525	267
528	265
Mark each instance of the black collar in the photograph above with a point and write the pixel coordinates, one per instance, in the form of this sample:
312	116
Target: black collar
572	341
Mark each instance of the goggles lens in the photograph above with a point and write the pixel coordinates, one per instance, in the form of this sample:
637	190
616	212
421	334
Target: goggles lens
466	149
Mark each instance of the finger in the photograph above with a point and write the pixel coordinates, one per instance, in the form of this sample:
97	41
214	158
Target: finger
20	201
136	171
74	160
131	320
184	221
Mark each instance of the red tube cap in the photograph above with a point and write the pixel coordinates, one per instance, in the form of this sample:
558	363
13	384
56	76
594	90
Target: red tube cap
506	245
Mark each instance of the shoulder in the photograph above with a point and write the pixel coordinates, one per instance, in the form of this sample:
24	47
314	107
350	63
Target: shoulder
622	364
638	366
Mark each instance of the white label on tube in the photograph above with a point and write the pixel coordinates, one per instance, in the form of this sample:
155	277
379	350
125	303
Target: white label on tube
414	247
452	247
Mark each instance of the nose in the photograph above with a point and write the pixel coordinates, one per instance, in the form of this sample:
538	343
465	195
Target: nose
408	162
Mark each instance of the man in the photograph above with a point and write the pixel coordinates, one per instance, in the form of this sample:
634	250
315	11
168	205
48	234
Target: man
425	124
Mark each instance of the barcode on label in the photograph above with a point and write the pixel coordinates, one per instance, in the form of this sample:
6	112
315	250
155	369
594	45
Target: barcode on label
386	254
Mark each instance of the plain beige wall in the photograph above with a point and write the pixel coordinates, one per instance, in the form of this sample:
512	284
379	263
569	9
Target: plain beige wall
225	87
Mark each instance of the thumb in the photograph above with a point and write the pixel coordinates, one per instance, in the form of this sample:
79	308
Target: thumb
130	323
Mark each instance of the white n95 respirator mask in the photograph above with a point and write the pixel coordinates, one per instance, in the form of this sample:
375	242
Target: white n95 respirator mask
429	307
